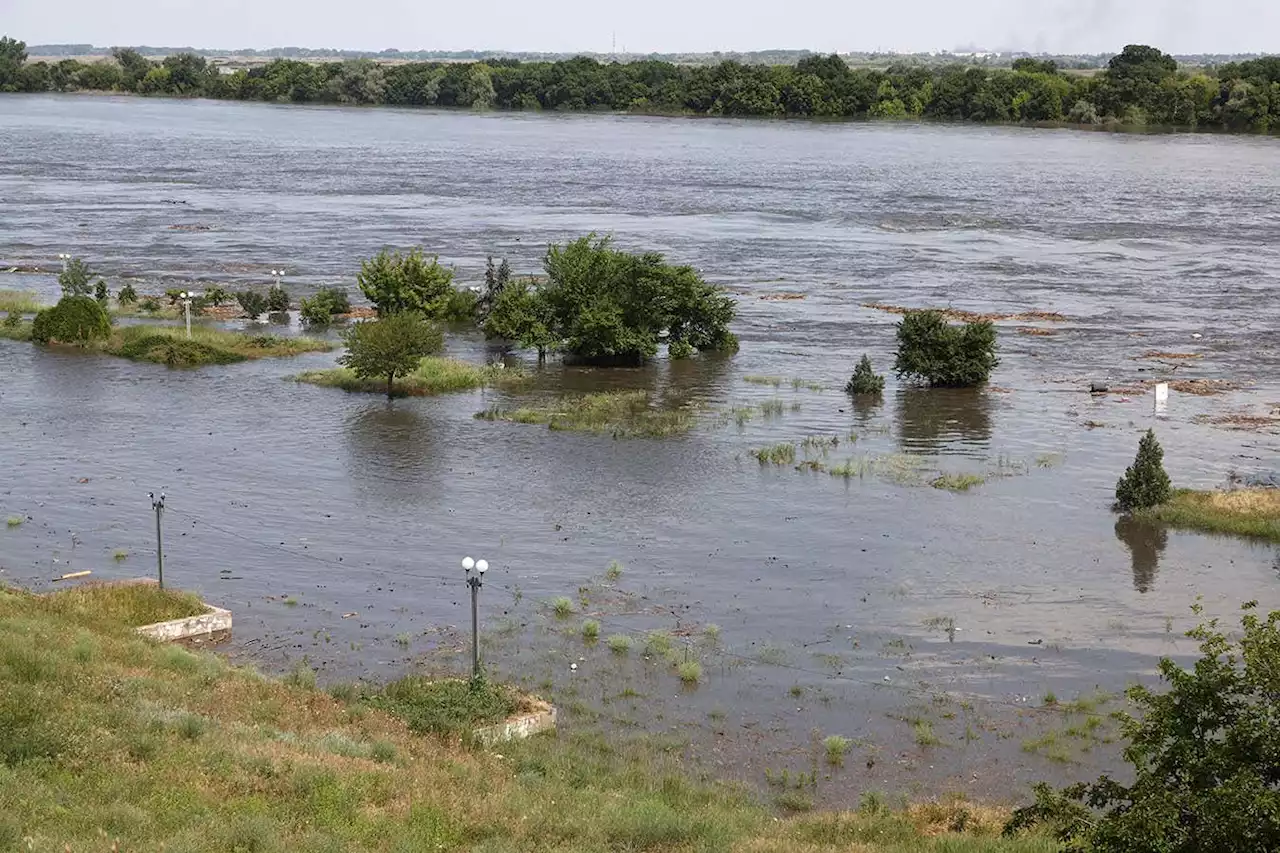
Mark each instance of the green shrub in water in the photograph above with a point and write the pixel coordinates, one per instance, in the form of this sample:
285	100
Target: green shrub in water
934	352
74	320
127	295
277	299
864	379
1145	483
253	303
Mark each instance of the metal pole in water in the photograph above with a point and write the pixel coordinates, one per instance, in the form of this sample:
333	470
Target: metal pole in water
158	506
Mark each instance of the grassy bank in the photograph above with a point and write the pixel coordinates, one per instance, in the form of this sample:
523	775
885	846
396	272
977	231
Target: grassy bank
623	414
434	375
170	345
115	742
20	301
131	604
1242	512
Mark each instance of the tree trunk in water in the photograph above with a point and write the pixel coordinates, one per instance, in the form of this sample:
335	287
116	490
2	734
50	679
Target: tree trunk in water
391	378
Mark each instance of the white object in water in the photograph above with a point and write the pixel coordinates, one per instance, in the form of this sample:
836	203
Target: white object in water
1162	397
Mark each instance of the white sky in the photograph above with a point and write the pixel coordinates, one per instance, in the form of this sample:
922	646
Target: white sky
1068	26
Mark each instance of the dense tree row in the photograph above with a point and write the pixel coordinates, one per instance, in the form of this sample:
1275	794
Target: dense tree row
1140	86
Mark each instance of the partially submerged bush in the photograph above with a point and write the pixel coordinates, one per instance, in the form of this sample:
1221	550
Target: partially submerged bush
1145	483
253	303
277	299
388	347
127	295
320	309
74	320
215	295
1204	756
864	379
74	278
934	352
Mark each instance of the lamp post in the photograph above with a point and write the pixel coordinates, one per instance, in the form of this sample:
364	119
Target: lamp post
158	505
186	304
66	259
475	582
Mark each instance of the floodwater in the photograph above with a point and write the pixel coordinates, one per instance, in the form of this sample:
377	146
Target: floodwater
332	525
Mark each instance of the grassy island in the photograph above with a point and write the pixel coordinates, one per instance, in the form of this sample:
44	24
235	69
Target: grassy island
623	414
1241	512
434	375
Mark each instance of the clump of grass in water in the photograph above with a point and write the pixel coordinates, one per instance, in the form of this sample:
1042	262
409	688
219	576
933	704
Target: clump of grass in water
771	408
170	345
774	381
658	644
590	630
14	521
120	556
619	644
798	383
776	454
403	639
622	414
15	328
923	732
835	747
562	607
19	302
900	468
614	571
690	672
126	604
434	375
957	482
823	444
712	632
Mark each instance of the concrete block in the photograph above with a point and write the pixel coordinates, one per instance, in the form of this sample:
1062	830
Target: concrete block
542	718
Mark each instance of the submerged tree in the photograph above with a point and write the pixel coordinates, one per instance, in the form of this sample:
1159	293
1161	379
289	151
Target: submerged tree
396	282
1145	483
390	346
75	278
604	305
934	352
864	380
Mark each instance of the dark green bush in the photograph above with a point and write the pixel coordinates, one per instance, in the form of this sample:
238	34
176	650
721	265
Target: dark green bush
171	351
216	295
1205	755
864	379
74	278
127	295
173	294
328	303
253	303
934	352
74	320
277	299
13	320
463	307
150	304
100	292
1145	483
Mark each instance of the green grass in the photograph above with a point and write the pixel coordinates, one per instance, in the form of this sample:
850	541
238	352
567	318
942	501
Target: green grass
835	748
614	571
901	468
619	644
445	706
434	375
120	556
622	414
126	604
1253	513
590	630
771	408
774	381
111	739
922	732
562	607
957	482
658	644
19	301
169	345
20	331
783	453
690	672
14	521
712	632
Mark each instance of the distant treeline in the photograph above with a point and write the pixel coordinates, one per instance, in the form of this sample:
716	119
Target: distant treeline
1139	86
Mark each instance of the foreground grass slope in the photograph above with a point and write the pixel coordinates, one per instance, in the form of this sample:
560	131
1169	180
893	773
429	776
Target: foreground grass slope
115	742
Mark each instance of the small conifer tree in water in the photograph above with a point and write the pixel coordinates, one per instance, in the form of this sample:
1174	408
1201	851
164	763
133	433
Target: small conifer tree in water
1145	483
864	379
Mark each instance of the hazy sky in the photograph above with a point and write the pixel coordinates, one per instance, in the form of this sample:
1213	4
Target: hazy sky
1076	26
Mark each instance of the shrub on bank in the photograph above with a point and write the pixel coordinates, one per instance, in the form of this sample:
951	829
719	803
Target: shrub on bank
934	352
1204	757
1145	483
74	320
127	295
253	303
327	303
277	299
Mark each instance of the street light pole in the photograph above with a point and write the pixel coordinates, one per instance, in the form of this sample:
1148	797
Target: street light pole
186	304
158	505
475	582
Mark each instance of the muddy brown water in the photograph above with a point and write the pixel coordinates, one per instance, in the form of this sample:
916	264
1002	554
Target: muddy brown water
332	525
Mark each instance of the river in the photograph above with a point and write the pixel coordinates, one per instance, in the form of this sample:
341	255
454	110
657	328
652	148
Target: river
332	525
